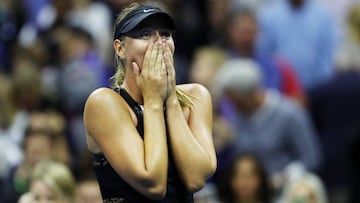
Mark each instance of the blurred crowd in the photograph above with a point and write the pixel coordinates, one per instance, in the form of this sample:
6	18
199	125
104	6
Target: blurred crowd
284	76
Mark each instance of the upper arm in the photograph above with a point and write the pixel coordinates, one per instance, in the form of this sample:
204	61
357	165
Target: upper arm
200	120
107	119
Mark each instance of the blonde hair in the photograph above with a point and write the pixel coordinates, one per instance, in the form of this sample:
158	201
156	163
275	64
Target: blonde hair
57	176
119	76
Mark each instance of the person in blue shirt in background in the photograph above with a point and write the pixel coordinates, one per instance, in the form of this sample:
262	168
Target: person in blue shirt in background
303	32
266	123
243	36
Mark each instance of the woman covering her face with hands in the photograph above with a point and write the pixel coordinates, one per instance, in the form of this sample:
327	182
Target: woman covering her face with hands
151	139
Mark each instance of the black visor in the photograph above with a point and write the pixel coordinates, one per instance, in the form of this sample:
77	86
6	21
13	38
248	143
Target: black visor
136	16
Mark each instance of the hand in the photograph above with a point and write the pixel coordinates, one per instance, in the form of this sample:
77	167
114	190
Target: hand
151	78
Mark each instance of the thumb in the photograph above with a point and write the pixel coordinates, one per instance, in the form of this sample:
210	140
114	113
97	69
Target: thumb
135	68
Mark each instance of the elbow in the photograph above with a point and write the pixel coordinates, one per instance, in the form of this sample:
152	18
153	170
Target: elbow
212	168
153	188
195	185
157	192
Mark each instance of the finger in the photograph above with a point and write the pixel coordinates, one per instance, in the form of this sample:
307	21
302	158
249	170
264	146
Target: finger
169	52
153	58
159	60
135	68
147	58
170	77
169	62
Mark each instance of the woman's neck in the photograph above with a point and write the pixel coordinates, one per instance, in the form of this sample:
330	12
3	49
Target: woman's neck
133	90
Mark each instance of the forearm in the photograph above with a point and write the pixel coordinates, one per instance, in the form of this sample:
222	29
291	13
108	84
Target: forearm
155	144
192	160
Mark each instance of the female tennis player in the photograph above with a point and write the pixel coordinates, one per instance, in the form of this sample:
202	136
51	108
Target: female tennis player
151	139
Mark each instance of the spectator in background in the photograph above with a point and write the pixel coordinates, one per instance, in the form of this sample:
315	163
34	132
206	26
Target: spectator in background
82	71
10	151
39	144
10	21
216	17
339	11
33	8
19	94
334	107
94	17
44	56
266	124
244	180
44	17
54	123
206	62
307	188
303	32
27	84
217	12
242	30
51	182
37	147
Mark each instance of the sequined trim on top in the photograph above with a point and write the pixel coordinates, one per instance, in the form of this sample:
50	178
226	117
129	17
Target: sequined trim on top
114	200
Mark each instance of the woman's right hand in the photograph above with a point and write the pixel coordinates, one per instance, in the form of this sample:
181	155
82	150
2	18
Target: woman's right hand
152	77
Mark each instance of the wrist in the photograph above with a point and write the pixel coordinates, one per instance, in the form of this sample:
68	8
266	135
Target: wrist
172	100
154	103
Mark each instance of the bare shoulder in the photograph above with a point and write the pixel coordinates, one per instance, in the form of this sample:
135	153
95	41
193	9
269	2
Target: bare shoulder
196	90
102	96
103	99
102	105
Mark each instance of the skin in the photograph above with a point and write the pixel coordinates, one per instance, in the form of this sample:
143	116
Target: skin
150	80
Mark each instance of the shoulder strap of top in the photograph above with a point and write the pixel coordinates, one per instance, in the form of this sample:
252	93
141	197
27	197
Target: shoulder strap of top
132	103
138	110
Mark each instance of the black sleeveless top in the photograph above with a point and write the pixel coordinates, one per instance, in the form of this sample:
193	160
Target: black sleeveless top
114	189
